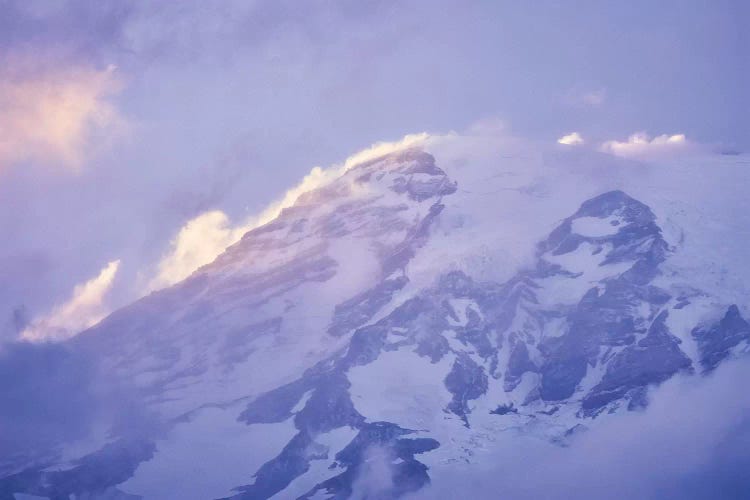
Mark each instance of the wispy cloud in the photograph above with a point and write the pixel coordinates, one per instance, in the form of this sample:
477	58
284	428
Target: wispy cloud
206	236
53	116
641	144
572	139
85	307
197	243
383	148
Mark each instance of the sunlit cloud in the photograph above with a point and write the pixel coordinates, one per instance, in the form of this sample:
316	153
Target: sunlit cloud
85	308
55	116
206	236
197	243
640	144
383	148
572	139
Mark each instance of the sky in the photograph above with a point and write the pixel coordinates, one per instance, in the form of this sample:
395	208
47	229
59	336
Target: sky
126	128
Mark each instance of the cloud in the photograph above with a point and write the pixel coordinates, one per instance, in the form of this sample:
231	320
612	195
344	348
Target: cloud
690	443
383	148
573	139
85	308
586	97
45	397
375	478
52	394
197	243
640	144
207	235
54	116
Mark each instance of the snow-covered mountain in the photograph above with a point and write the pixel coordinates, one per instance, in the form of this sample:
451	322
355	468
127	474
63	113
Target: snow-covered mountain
397	319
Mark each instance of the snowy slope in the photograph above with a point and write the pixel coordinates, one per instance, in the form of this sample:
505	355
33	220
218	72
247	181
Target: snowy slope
407	315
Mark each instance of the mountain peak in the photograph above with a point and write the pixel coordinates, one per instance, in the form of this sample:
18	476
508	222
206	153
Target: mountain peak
613	203
314	338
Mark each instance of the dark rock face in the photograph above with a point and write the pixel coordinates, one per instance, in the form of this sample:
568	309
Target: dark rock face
466	381
717	341
504	409
638	238
355	312
97	472
421	179
518	364
608	317
408	475
329	407
600	320
654	359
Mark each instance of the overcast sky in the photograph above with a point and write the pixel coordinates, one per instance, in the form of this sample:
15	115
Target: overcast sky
122	121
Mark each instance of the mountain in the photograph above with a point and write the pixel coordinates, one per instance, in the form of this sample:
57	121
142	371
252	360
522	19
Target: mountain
396	320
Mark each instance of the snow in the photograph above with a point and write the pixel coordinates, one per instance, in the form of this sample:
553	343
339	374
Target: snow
681	322
302	402
459	307
185	464
335	440
509	198
529	383
596	227
585	262
401	387
455	344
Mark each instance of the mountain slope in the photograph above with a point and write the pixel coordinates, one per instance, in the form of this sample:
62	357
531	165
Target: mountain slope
397	320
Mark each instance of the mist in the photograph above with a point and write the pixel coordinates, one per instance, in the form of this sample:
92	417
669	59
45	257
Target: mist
691	442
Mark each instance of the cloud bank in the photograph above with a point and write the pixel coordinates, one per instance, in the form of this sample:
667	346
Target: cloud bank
54	116
641	144
85	307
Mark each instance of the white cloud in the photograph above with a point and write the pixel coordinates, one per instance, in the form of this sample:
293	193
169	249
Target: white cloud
197	243
51	116
640	144
375	478
85	308
206	236
573	139
383	148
